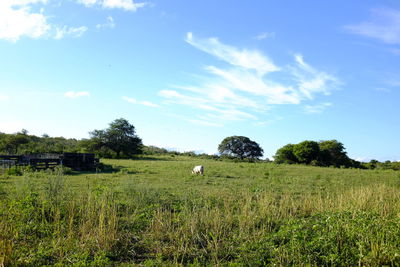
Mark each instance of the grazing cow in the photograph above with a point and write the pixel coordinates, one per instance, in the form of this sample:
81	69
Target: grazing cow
198	170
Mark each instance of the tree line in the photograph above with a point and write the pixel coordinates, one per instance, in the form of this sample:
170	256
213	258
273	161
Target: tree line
120	140
323	153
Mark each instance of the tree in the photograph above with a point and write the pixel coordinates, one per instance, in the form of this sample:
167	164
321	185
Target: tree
332	153
12	142
306	151
119	137
285	155
240	147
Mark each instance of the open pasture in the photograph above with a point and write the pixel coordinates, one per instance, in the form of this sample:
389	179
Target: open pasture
152	211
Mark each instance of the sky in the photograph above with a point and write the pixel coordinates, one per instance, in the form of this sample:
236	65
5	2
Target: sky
187	74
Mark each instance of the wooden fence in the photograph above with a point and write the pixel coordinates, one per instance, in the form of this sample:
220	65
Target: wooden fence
75	161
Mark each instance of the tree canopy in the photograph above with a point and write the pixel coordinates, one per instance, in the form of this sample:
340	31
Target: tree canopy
23	143
12	143
240	147
120	137
323	153
285	155
306	151
332	153
120	140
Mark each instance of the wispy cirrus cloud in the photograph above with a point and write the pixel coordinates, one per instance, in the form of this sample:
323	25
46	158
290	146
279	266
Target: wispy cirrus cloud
384	25
149	104
318	108
128	5
311	81
250	85
264	35
73	94
250	59
70	31
108	24
144	103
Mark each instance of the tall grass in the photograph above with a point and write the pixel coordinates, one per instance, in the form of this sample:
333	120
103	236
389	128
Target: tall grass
153	212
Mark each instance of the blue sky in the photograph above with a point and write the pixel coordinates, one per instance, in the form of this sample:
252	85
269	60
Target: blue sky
187	74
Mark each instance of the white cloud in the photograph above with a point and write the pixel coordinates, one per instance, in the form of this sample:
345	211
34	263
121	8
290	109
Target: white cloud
247	82
248	59
265	35
247	87
144	103
363	159
384	26
70	31
108	24
216	110
17	20
128	5
89	2
149	104
310	80
319	108
72	94
130	99
123	4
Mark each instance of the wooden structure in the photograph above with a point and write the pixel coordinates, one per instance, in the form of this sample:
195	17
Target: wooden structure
80	161
8	161
75	161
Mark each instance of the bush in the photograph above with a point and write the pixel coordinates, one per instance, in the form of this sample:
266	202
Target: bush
101	167
60	169
14	171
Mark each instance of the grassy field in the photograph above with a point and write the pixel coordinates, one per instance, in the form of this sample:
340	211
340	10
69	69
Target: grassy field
153	212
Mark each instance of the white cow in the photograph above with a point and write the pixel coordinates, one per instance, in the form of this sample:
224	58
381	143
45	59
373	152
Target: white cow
198	170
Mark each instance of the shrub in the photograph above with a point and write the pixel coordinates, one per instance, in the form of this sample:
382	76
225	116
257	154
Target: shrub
14	171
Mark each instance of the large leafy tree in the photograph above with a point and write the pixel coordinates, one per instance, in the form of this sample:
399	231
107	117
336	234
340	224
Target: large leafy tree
120	137
306	151
285	155
332	153
11	143
240	147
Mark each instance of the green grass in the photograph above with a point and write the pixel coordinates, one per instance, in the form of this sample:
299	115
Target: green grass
153	212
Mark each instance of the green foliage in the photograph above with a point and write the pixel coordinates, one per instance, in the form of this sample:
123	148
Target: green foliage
285	155
152	212
338	239
306	151
11	143
153	150
60	169
324	153
14	171
29	144
332	153
240	147
119	138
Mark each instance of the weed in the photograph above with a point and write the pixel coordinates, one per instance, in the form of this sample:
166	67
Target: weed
237	214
